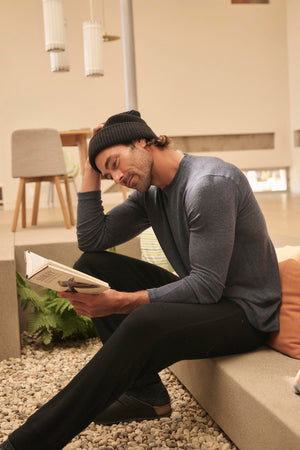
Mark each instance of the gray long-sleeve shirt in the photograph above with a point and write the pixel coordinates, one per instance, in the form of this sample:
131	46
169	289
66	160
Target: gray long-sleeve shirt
211	229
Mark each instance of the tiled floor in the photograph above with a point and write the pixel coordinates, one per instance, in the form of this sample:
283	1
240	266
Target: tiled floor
281	210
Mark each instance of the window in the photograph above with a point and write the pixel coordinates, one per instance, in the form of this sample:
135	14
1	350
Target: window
249	1
267	180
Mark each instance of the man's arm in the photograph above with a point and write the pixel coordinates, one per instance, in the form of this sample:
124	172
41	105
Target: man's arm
211	211
90	179
110	301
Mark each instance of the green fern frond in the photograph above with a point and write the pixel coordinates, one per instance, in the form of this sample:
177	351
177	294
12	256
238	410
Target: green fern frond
49	294
71	328
45	336
53	318
28	296
59	305
21	280
41	320
87	327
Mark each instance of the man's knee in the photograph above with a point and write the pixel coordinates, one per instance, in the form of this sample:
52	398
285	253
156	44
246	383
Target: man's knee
145	320
90	259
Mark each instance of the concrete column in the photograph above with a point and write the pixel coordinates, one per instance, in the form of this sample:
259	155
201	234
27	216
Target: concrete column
9	311
128	55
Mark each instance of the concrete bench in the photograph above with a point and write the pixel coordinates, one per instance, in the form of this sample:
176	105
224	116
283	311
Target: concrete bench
250	396
9	313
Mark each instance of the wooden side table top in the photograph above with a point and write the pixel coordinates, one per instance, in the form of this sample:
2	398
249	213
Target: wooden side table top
73	138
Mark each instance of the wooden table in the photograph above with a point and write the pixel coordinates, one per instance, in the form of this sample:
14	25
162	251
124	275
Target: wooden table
73	138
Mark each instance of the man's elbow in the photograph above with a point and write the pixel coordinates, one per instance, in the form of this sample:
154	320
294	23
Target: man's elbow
85	245
210	296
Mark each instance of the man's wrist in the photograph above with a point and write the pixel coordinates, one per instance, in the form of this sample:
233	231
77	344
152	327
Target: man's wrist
90	179
129	301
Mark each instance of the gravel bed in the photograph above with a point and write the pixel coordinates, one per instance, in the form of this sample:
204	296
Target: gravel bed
28	382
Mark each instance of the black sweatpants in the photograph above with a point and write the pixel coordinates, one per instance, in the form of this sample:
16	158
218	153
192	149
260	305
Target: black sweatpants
136	347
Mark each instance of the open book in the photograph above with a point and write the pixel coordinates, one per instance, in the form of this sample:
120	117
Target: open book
56	276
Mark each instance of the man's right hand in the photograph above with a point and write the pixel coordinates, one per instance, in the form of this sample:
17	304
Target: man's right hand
98	127
91	178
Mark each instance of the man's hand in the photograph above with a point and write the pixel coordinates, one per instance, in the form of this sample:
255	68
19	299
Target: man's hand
98	127
91	178
107	303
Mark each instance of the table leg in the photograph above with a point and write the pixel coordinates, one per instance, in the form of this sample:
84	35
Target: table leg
83	151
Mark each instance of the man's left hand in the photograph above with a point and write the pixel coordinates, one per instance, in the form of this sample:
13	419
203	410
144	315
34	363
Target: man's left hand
93	305
107	303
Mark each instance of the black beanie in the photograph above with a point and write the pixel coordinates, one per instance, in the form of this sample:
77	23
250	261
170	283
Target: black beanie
119	129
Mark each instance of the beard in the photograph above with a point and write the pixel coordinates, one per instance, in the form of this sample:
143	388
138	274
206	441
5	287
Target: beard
140	172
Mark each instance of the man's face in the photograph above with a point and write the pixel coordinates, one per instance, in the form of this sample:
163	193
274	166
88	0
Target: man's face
130	166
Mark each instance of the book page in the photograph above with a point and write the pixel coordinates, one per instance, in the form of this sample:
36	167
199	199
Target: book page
33	262
74	272
60	280
53	275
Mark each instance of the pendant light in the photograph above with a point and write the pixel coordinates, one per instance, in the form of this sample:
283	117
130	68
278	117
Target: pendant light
59	61
93	46
54	25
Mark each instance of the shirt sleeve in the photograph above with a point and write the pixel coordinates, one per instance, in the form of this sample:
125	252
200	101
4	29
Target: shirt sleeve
211	211
99	231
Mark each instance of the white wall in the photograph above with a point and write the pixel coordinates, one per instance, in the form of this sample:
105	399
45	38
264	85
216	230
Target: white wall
31	96
293	19
210	67
203	67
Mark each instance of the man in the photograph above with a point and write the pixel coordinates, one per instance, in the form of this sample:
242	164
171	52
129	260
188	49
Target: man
224	300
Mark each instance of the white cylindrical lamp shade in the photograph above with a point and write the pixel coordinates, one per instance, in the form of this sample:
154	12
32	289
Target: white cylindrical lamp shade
93	49
54	25
60	60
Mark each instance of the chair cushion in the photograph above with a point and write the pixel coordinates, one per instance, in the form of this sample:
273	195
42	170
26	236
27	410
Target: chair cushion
287	339
151	251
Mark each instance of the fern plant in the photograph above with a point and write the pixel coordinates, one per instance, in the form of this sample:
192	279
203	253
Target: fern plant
53	318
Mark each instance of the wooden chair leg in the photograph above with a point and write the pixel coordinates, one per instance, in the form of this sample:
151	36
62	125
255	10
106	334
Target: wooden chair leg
124	192
69	200
62	202
18	204
36	201
24	206
83	151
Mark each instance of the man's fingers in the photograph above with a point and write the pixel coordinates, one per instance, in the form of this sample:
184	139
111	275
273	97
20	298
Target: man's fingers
92	305
73	296
80	309
63	294
98	127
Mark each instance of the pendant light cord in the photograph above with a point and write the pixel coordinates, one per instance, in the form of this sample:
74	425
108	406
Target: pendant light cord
103	15
91	11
